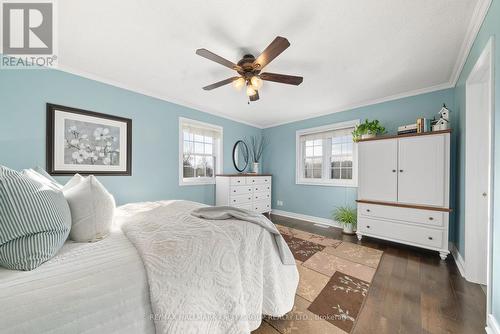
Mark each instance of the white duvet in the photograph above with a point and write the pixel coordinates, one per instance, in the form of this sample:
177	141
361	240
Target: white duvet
207	276
184	275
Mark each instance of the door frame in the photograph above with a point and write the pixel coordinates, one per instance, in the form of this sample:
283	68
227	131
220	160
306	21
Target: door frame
485	62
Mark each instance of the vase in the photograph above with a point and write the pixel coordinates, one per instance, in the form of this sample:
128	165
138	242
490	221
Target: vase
256	167
348	229
368	136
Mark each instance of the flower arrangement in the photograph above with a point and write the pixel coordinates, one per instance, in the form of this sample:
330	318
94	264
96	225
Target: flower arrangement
256	148
347	217
99	148
367	129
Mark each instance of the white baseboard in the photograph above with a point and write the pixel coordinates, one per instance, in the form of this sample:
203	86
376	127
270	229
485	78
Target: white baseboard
312	219
492	326
459	260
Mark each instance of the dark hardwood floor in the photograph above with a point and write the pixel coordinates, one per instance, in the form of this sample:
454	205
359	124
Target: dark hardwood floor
413	291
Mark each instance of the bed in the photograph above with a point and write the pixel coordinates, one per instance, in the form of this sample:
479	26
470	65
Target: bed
145	271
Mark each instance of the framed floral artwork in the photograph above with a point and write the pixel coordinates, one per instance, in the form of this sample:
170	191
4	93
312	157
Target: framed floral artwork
87	142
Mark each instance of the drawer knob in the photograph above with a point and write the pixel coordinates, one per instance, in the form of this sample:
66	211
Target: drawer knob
234	191
234	200
367	226
256	189
394	171
367	210
253	180
430	238
400	170
431	218
238	181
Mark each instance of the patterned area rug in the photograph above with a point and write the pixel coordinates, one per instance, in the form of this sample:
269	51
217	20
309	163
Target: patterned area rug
334	280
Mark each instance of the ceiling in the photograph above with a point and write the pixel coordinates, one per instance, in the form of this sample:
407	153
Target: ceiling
350	52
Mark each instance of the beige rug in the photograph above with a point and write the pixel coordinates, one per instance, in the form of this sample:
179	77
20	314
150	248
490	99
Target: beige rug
334	280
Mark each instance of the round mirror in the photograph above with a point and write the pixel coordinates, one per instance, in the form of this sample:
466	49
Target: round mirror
240	156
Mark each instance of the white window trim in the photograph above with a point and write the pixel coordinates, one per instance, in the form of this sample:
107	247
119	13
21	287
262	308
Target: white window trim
218	154
325	182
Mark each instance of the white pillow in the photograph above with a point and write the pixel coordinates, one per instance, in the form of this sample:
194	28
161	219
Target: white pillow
92	208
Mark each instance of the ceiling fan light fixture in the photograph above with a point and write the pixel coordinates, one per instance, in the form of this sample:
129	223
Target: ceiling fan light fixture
256	82
239	83
251	90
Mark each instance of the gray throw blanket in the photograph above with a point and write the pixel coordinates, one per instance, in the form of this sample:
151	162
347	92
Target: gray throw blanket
228	212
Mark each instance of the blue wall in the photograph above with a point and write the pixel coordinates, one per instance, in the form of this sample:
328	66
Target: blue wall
490	27
24	93
319	201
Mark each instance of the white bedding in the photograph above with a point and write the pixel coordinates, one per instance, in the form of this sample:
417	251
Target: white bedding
208	276
87	288
103	287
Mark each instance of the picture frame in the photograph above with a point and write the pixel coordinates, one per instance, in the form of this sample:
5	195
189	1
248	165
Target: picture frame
87	142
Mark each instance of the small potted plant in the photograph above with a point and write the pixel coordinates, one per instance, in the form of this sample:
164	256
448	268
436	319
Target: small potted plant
347	217
367	130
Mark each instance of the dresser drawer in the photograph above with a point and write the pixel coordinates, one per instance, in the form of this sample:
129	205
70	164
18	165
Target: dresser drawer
241	190
259	180
260	188
236	181
399	232
417	216
262	206
239	199
261	196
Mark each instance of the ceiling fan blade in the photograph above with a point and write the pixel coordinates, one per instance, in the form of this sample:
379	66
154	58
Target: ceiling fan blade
220	83
272	51
254	97
218	59
282	78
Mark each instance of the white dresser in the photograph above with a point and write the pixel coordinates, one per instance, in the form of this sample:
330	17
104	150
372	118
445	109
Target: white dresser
246	191
403	192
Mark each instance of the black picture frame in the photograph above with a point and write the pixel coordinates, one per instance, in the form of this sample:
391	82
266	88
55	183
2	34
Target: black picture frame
50	144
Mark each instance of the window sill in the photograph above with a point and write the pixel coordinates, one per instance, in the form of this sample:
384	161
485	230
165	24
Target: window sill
196	182
327	184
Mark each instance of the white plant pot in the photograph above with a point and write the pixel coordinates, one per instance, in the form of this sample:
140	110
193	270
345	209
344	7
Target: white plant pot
348	229
368	136
256	167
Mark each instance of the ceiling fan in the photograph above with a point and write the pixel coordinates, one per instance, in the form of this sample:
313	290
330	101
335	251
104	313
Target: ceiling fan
249	69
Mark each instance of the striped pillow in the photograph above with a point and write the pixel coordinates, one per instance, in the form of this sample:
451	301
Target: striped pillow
35	221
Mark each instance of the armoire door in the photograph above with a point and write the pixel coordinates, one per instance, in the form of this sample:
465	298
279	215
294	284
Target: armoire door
378	170
421	170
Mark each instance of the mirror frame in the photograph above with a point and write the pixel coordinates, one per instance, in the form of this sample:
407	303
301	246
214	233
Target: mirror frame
235	147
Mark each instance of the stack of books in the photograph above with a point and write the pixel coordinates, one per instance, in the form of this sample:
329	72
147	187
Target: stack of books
422	125
405	129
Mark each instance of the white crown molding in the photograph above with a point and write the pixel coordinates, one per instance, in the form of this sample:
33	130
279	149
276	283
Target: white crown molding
459	260
478	16
492	325
475	24
369	103
134	89
312	219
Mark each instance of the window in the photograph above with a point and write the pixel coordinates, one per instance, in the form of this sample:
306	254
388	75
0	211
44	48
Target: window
200	152
327	155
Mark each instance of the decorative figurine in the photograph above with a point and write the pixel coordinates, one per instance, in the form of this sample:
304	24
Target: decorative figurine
443	123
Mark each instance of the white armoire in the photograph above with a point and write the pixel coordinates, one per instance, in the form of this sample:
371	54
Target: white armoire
403	190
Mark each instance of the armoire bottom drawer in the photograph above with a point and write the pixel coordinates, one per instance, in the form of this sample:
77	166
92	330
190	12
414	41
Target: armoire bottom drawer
414	234
417	216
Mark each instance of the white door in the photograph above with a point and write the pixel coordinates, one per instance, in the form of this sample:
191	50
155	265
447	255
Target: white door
421	170
478	148
378	170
